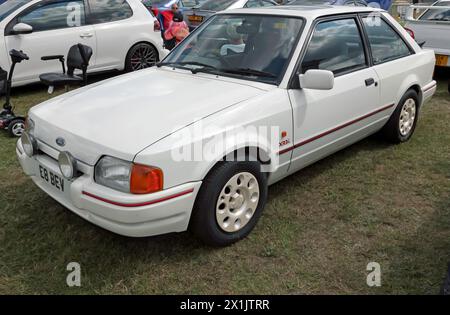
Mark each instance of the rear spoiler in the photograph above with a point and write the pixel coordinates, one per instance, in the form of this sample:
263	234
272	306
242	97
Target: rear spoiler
412	9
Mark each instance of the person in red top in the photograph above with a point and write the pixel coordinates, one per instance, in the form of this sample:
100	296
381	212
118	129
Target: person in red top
178	29
165	18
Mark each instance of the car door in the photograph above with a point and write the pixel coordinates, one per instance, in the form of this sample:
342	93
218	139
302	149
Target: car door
327	120
57	25
114	31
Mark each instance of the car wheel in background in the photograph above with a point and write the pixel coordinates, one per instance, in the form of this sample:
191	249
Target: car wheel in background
141	56
16	127
403	121
230	202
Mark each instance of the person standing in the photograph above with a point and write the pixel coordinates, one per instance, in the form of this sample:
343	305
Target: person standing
165	18
177	30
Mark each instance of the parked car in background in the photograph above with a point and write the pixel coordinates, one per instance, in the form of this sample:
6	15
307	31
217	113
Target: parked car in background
356	3
163	5
383	4
120	33
433	28
195	142
195	16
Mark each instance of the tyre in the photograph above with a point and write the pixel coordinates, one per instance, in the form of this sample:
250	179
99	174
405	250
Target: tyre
229	203
141	56
16	127
403	121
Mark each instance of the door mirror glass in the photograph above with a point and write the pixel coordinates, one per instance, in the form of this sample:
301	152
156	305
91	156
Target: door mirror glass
22	28
317	80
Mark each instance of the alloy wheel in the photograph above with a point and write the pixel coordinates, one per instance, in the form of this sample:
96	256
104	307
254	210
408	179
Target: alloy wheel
237	202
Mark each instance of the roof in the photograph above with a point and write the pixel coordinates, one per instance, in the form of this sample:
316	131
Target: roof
308	12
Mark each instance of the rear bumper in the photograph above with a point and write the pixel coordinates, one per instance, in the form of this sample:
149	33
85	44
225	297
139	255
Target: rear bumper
130	215
428	91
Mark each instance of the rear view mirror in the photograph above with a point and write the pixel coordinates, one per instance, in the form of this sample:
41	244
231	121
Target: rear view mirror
22	28
317	80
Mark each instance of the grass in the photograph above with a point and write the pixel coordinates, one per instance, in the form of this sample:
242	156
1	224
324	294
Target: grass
321	227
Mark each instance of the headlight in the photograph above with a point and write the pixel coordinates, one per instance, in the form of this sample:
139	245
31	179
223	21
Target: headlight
113	173
67	165
128	177
29	144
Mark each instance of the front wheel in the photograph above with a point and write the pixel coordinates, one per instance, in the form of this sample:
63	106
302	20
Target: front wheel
16	127
141	56
229	203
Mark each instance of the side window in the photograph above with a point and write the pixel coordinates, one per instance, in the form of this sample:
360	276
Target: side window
55	15
102	11
385	43
336	46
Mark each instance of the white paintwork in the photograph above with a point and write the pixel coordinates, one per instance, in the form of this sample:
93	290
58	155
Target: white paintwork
140	116
435	34
110	43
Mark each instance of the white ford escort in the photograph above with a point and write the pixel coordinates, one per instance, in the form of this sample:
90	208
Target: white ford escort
251	96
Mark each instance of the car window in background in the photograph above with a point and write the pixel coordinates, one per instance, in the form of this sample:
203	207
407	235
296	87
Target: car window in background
254	47
216	5
258	3
8	7
336	46
103	11
190	3
385	43
308	2
437	14
55	15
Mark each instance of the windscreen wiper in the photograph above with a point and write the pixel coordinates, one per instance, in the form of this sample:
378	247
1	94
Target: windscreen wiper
250	72
203	66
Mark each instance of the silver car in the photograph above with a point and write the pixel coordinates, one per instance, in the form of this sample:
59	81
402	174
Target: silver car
195	16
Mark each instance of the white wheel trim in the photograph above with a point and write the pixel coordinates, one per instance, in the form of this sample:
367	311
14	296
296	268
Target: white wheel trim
407	117
237	202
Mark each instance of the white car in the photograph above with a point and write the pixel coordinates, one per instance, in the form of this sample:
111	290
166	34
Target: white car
432	28
195	143
120	32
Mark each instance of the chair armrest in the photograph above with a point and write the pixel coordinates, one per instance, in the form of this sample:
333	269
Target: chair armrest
60	57
56	57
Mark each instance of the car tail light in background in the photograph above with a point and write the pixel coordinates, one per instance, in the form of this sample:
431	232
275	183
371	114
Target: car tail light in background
410	32
145	179
156	26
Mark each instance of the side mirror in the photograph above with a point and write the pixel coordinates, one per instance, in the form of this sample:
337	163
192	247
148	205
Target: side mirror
22	28
317	80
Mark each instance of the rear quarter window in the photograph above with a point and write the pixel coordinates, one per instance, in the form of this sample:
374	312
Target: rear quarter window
385	43
103	11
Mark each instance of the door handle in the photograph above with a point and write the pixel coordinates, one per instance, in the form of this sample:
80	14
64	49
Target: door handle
86	35
371	81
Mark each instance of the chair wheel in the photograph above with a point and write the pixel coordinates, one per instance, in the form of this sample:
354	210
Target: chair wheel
16	127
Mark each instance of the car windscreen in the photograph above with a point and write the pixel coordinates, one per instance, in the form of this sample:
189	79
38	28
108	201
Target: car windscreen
216	5
437	14
8	7
252	47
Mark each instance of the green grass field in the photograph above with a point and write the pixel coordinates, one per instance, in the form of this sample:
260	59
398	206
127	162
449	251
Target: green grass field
321	227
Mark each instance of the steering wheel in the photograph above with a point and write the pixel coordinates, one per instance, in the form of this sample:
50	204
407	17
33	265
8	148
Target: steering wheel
211	54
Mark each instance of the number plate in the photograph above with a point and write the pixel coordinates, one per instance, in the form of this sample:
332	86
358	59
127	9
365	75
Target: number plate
441	60
195	18
51	178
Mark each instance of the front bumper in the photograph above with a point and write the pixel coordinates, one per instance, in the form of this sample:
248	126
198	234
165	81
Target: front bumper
130	215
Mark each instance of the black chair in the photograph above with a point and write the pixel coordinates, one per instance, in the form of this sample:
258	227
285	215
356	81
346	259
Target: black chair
78	57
